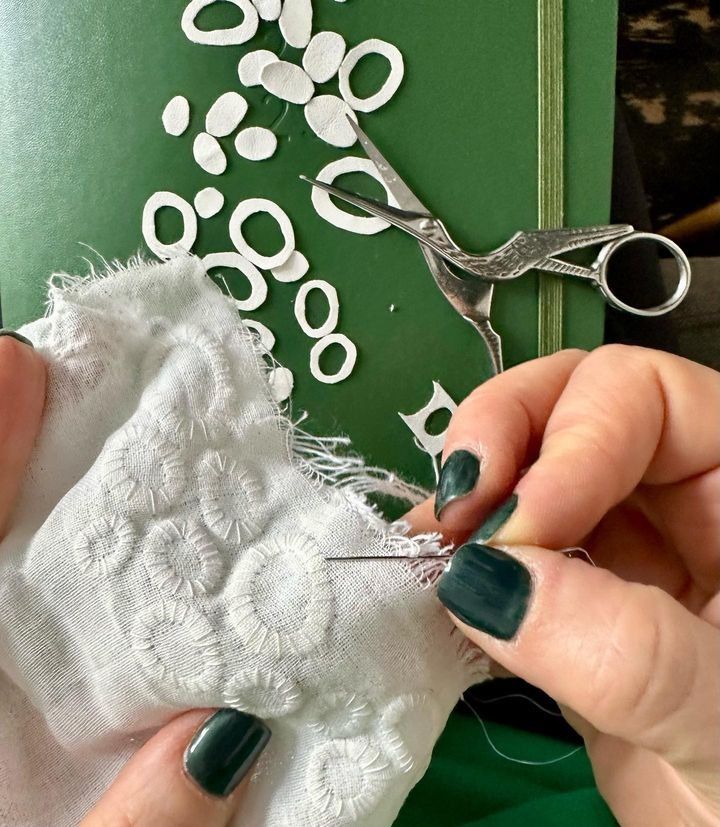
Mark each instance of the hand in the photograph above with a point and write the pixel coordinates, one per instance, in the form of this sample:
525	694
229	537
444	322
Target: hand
622	455
166	783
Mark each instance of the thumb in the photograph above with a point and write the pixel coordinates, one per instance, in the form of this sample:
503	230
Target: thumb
624	656
187	774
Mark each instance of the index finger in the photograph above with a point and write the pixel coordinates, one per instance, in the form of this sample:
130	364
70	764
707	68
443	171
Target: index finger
22	395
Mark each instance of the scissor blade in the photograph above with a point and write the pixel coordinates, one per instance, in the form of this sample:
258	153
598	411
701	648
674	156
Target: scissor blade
400	218
405	197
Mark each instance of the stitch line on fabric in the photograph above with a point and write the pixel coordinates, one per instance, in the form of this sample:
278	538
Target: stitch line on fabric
203	671
267	694
291	559
342	714
169	548
231	498
105	545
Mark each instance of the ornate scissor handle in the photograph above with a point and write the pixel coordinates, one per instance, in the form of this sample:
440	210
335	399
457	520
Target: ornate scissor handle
600	266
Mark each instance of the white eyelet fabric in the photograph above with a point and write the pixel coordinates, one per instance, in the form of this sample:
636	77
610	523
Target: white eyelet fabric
169	551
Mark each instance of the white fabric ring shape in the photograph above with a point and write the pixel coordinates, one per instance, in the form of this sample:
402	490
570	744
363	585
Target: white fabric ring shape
149	230
333	214
220	37
249	207
392	82
347	366
258	285
330	322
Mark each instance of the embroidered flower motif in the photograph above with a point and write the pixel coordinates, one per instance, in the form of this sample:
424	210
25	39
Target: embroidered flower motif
265	694
342	714
230	498
174	642
346	778
281	600
410	724
181	559
144	467
104	546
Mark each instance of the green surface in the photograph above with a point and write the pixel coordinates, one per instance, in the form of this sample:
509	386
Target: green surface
82	148
470	785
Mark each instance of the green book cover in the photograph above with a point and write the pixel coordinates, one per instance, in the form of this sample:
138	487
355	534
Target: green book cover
82	148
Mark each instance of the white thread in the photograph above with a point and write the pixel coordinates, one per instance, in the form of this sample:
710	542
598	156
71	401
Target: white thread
231	498
249	207
330	323
149	229
325	208
258	285
392	82
347	366
105	545
220	37
266	336
266	694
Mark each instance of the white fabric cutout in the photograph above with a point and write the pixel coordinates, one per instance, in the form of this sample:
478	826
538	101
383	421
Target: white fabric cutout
392	82
330	323
209	154
176	115
323	56
268	9
225	114
286	81
208	202
249	207
293	269
296	22
255	143
149	230
258	285
281	381
252	63
220	37
430	443
325	208
327	116
266	336
224	595
347	366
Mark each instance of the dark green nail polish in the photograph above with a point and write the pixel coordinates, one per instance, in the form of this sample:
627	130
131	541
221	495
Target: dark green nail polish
458	476
487	589
223	750
13	335
495	520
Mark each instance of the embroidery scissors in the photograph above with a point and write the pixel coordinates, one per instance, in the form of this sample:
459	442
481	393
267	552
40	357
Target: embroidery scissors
525	251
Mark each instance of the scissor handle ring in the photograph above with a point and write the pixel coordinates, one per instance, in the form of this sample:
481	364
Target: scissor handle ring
669	304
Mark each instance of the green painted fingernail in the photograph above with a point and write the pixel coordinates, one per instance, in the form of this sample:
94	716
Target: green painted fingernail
14	335
487	589
224	749
458	476
495	520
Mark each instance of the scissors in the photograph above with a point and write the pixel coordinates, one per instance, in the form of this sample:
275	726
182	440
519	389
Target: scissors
523	252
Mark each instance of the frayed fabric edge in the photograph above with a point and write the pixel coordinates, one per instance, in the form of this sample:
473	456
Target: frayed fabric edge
325	460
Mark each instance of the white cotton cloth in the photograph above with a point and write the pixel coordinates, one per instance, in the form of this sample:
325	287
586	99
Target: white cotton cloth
168	552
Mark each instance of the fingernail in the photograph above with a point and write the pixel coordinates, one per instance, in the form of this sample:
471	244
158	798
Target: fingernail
13	335
487	589
224	749
495	520
458	476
